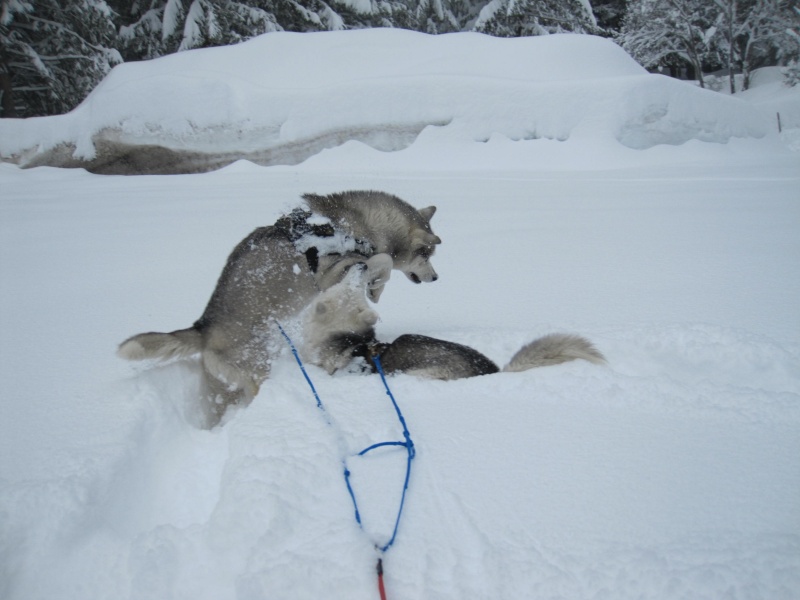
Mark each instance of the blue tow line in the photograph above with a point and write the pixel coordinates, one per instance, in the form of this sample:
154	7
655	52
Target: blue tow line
407	443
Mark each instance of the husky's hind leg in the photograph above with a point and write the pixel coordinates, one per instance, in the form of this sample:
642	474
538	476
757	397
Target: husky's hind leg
225	385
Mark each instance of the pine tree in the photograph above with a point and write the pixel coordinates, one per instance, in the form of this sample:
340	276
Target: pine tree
53	53
166	26
609	15
435	16
516	18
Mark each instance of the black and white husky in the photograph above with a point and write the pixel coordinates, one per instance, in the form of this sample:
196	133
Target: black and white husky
339	333
278	270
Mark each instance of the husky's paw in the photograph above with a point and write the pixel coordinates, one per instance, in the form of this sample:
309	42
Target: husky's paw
379	269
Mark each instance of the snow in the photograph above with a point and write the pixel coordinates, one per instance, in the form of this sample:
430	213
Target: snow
172	14
671	473
774	100
383	88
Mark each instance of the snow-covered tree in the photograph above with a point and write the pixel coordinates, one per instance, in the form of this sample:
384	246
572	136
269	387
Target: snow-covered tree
157	27
792	51
666	32
756	33
435	16
516	18
738	34
609	15
53	53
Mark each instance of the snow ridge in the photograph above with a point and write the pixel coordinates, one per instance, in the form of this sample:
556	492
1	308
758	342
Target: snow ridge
270	100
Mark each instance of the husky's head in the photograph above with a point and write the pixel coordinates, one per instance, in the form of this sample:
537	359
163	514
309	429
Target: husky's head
388	224
415	258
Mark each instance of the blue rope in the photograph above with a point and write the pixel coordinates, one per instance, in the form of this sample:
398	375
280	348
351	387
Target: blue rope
302	368
408	444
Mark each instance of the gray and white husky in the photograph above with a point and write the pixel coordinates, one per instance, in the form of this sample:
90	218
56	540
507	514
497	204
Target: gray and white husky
276	271
339	333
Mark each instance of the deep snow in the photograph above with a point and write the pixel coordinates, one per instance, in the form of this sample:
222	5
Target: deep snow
283	97
671	473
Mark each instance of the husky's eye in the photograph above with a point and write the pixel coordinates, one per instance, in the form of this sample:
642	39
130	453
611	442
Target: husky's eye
424	252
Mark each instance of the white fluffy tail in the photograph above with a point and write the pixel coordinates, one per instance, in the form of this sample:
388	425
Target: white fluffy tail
554	349
162	346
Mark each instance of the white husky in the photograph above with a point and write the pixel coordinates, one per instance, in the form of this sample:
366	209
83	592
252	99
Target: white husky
339	328
276	271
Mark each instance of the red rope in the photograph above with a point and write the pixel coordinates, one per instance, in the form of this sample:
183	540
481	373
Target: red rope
380	579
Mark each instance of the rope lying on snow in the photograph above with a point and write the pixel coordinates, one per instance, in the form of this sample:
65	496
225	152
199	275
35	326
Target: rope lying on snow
407	443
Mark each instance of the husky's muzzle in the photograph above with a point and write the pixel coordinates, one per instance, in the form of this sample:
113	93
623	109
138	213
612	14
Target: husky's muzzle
417	279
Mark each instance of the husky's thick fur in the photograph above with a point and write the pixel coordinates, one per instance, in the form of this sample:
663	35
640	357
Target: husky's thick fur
338	328
276	271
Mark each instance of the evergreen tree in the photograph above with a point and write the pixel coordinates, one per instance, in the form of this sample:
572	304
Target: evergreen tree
609	15
517	18
166	26
434	16
53	53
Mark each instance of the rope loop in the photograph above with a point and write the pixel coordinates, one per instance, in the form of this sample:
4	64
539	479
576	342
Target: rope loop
408	443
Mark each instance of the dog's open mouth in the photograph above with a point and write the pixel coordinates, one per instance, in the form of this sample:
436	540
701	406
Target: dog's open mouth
415	278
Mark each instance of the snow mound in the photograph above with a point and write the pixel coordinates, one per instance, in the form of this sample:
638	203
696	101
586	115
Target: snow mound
779	103
282	98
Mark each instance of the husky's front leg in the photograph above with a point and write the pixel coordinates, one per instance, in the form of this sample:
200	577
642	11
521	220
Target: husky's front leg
379	270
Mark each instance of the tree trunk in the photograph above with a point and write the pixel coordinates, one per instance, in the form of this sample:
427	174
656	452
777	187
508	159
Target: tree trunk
731	21
745	75
7	108
696	66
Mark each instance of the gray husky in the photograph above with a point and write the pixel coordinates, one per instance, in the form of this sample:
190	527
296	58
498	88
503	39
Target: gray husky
339	333
276	271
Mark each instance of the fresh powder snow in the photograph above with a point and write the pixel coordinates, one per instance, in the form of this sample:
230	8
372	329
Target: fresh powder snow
575	192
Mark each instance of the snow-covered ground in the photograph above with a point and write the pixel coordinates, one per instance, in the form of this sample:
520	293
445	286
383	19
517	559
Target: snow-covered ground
671	473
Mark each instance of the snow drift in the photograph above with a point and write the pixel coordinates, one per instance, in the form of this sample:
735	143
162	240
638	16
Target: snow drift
283	97
672	473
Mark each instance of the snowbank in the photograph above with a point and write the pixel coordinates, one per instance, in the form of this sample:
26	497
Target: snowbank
778	103
283	97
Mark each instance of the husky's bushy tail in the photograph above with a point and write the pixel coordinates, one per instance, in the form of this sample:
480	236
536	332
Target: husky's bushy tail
554	349
161	346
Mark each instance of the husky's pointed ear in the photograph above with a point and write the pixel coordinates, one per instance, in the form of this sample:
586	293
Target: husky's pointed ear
423	238
427	213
